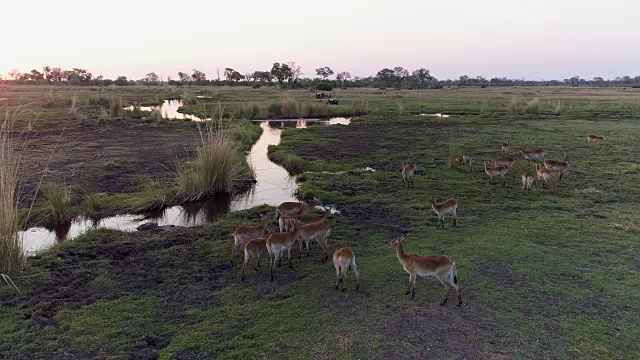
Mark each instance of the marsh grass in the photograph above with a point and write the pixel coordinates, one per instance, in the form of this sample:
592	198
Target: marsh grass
155	196
484	109
317	109
558	107
360	106
218	166
453	148
11	254
294	164
115	107
58	200
533	106
188	98
250	110
512	107
284	108
400	108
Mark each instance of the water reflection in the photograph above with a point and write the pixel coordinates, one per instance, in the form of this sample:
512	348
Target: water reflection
169	110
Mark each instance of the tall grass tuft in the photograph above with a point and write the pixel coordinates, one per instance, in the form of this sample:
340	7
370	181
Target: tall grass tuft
188	98
360	106
484	108
558	108
249	110
11	254
58	200
512	107
219	165
115	107
533	106
400	107
284	108
316	109
155	196
453	148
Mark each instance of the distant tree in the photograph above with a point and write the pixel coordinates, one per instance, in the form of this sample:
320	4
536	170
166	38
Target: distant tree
324	72
575	80
343	76
422	76
58	74
464	79
228	73
235	76
248	76
281	72
184	77
198	75
400	73
36	75
121	81
15	74
262	76
47	71
151	79
78	75
387	76
296	71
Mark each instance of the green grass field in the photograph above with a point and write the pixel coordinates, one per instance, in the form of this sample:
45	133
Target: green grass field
549	274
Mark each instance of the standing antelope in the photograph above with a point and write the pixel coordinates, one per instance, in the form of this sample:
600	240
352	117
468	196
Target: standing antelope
344	259
441	267
284	223
528	180
465	159
449	206
408	172
295	207
246	233
543	174
533	154
495	171
595	139
318	232
505	148
254	248
277	243
312	219
559	166
507	161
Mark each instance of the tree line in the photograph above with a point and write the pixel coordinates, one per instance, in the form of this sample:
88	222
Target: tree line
290	75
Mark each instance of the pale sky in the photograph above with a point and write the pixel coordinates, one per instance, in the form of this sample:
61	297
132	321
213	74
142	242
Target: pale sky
544	39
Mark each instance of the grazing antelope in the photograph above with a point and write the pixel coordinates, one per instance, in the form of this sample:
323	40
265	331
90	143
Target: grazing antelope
295	207
284	223
505	148
527	181
344	259
464	159
495	171
559	166
318	232
246	233
595	139
533	154
253	248
312	219
408	172
449	206
441	267
507	161
543	174
277	243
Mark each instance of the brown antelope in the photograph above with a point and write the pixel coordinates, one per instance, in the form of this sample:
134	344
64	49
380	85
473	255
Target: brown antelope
449	206
317	231
505	148
295	207
543	174
277	243
408	172
533	154
527	181
595	139
246	233
495	171
465	159
559	166
507	161
344	259
284	223
441	267
253	248
312	219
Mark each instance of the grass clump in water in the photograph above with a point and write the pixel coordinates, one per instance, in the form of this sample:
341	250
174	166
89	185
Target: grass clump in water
58	199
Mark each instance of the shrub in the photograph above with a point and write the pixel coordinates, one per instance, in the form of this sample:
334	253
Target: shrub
324	86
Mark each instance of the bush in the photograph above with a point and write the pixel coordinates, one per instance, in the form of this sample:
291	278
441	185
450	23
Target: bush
324	86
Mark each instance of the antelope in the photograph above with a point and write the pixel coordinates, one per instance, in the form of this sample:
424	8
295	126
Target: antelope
505	148
408	172
441	267
533	154
277	243
507	161
465	159
284	223
318	232
312	219
449	206
246	233
344	259
253	248
495	171
595	139
527	181
295	207
559	166
543	174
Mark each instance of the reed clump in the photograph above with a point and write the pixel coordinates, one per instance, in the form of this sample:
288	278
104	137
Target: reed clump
58	200
360	106
533	106
317	109
512	107
250	110
284	108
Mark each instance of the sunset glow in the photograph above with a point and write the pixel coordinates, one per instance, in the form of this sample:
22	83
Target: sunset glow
540	40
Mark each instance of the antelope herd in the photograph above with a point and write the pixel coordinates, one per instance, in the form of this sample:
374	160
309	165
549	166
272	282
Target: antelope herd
296	226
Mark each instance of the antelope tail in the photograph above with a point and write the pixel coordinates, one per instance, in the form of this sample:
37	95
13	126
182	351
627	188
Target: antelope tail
455	274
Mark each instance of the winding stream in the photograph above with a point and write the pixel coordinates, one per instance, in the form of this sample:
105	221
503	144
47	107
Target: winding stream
273	186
